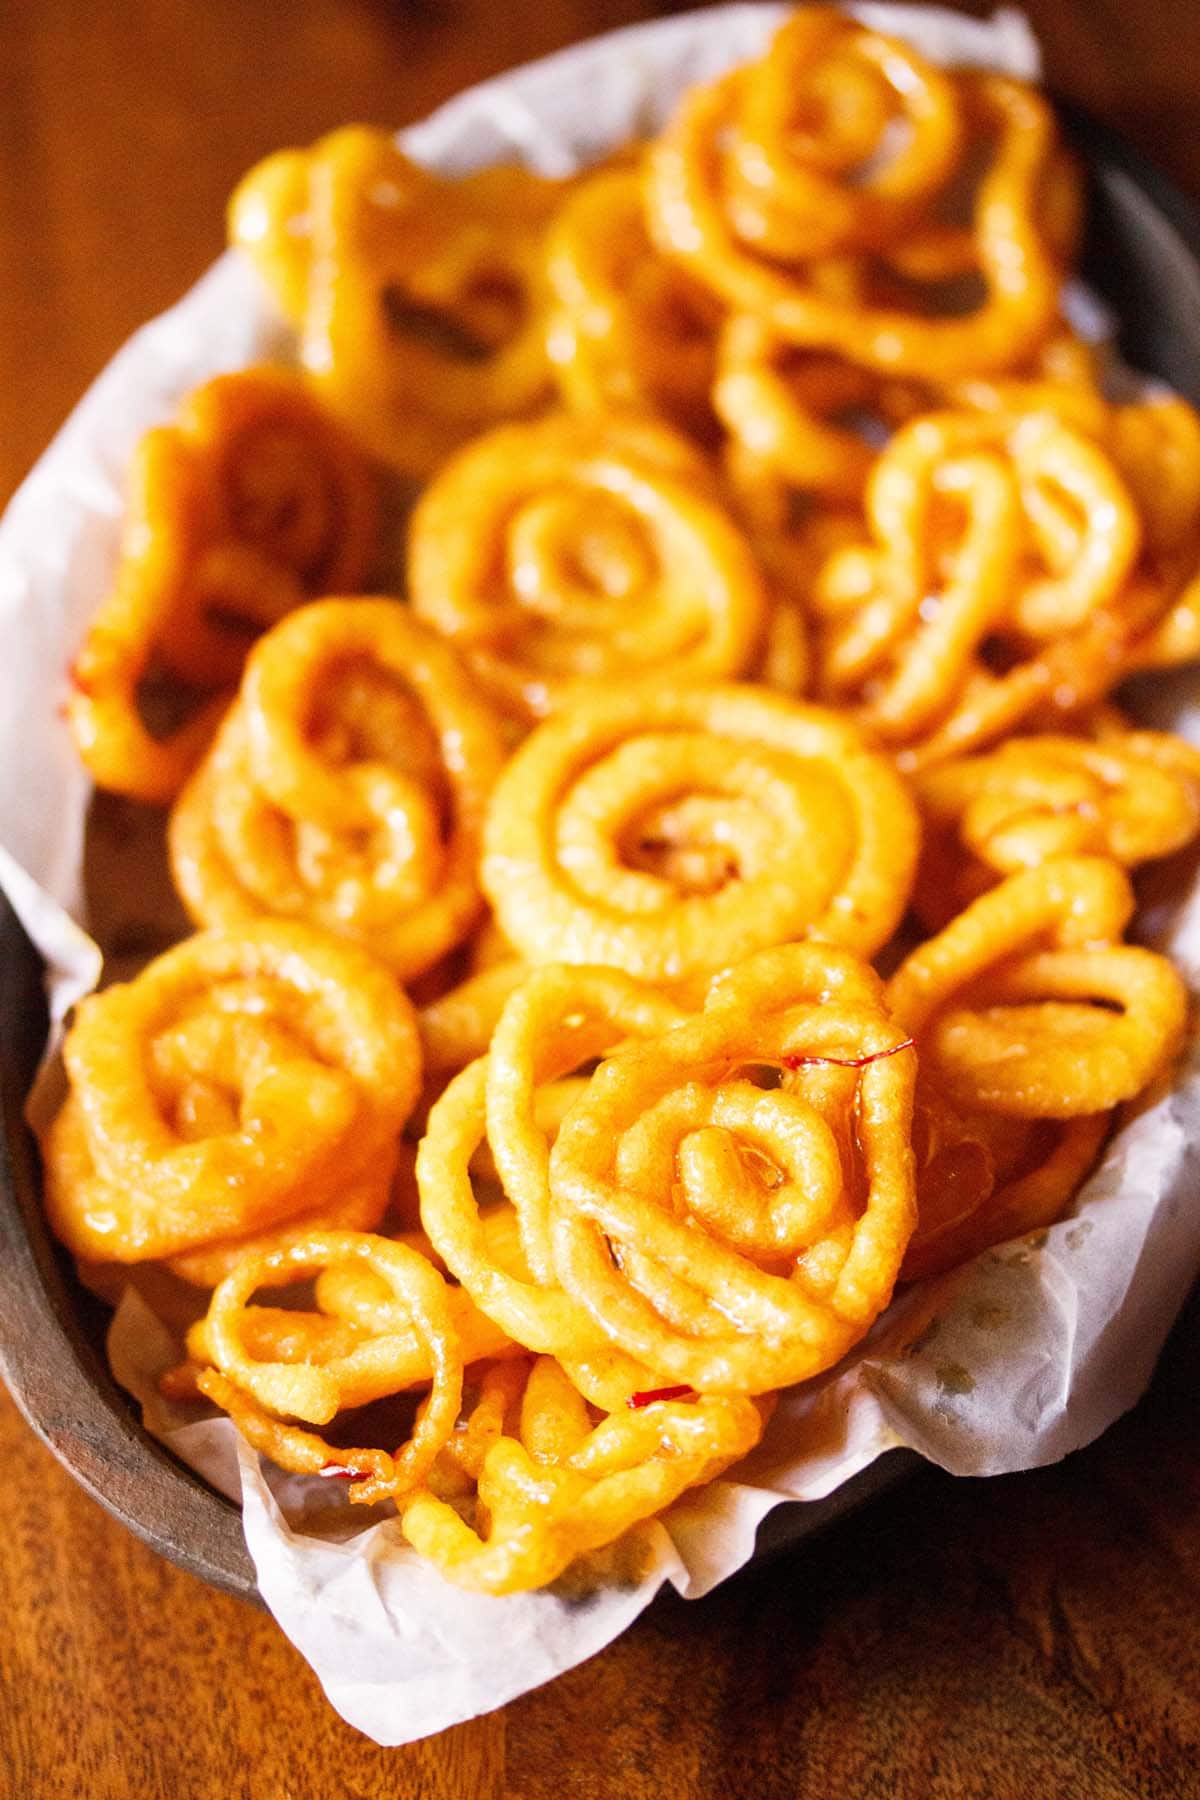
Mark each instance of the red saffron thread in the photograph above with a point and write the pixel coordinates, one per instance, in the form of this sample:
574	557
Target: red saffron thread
649	1395
332	1471
846	1062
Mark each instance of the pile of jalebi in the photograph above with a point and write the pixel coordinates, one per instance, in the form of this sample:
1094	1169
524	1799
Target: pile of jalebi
529	1082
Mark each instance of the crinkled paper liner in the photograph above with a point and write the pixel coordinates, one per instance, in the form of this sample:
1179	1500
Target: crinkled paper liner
1031	1351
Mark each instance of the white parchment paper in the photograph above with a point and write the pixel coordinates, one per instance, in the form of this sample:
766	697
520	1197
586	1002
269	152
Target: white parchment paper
1030	1352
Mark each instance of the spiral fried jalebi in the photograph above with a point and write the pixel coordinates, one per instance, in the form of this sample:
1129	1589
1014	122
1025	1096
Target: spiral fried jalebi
250	503
555	1022
631	329
347	787
243	1079
670	832
731	1234
1028	1005
785	141
551	1484
418	1344
562	554
1133	797
758	187
421	302
989	531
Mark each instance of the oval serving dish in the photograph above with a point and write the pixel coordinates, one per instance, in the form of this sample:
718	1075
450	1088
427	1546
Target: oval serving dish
1142	255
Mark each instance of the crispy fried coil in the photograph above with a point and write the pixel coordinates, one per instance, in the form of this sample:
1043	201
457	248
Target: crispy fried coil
242	1080
358	1325
859	275
670	832
549	1482
731	1200
987	530
418	1343
1133	797
556	1022
346	787
1028	1005
421	302
985	1179
631	329
250	503
1153	441
777	151
561	555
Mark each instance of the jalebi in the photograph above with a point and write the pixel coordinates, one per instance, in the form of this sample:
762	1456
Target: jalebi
347	787
561	555
670	832
242	1080
249	504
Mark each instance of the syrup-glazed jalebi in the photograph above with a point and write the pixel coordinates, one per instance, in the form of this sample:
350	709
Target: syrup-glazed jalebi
417	1343
547	1479
347	787
630	328
498	1246
421	302
997	540
251	502
670	832
1134	796
731	1200
242	1080
757	187
1028	1003
563	554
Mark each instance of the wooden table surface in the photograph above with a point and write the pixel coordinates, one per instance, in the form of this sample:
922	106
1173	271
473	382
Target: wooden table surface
1035	1635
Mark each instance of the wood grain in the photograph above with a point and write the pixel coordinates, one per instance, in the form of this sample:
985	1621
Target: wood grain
1005	1639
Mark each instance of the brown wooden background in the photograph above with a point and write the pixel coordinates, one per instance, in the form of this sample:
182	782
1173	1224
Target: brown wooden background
1032	1636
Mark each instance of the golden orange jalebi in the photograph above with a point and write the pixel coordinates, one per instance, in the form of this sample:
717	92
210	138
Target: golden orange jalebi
630	329
242	1080
555	1022
1153	440
551	1483
563	554
758	188
347	786
1134	797
1027	1004
731	1232
419	1343
669	832
800	126
989	532
252	501
421	302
